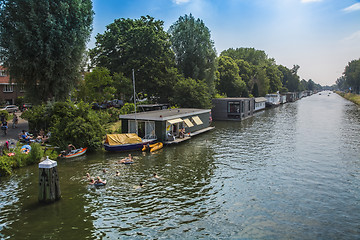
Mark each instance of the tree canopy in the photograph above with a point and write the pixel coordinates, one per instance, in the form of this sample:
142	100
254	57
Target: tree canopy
230	82
142	45
352	75
194	50
42	43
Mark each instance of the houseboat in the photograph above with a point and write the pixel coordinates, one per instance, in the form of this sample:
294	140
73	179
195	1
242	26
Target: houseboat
168	125
232	108
272	100
259	104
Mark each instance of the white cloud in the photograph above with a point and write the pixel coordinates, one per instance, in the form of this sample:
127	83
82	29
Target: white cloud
352	8
307	1
353	37
178	2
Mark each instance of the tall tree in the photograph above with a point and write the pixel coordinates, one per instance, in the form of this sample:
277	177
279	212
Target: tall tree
142	45
230	82
97	86
352	75
42	43
194	50
274	75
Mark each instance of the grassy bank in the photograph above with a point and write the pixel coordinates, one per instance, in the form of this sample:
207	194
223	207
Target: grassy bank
19	159
355	98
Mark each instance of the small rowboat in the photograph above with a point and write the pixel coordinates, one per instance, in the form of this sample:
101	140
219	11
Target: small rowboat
153	147
74	153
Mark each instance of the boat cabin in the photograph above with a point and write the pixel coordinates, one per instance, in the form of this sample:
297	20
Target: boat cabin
259	104
232	108
167	124
272	99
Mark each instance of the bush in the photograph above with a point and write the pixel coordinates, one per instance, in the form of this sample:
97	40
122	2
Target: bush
35	154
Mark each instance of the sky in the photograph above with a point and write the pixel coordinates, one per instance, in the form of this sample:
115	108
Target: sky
321	36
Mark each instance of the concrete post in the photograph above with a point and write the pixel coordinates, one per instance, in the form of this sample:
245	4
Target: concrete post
49	187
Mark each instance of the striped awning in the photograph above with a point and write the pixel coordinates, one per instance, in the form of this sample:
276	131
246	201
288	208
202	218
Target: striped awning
197	120
176	120
188	122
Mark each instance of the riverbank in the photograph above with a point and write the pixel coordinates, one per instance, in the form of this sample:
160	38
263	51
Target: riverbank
355	98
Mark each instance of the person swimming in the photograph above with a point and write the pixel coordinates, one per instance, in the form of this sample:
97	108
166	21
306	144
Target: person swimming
127	160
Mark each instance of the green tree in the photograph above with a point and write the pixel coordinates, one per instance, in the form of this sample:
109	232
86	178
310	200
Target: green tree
274	75
352	75
230	82
262	81
194	50
98	86
42	43
142	45
290	79
191	93
341	83
250	55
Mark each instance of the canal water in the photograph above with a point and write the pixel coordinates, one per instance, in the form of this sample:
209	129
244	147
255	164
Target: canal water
291	172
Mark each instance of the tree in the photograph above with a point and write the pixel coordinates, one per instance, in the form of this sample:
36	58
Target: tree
42	43
142	45
194	50
341	83
274	75
352	75
97	87
191	93
290	79
230	82
250	55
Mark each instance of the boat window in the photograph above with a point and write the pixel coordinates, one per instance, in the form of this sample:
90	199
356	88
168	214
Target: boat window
197	120
233	107
188	122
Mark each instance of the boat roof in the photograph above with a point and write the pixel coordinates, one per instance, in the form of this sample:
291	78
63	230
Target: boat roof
260	99
165	114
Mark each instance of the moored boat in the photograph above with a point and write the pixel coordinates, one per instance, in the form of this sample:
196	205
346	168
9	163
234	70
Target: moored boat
125	142
74	153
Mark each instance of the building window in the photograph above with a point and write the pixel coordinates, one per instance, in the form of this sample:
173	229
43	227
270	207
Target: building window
8	88
233	107
2	73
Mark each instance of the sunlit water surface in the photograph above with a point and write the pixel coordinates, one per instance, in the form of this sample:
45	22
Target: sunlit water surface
292	172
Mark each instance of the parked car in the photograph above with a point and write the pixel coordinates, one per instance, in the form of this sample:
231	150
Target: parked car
10	108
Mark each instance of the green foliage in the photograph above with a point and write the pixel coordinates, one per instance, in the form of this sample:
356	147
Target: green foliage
35	154
230	82
69	123
127	108
274	75
98	86
290	79
352	75
190	93
78	125
42	43
20	159
194	50
139	44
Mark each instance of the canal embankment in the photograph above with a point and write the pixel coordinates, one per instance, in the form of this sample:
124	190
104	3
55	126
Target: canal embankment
355	98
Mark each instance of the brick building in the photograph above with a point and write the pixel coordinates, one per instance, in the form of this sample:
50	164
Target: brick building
9	91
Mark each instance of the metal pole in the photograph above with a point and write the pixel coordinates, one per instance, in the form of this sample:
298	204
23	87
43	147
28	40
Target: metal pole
136	128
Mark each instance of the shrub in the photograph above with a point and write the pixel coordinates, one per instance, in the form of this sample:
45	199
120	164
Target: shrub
35	154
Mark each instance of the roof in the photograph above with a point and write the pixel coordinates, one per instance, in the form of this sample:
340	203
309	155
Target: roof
165	114
231	99
260	99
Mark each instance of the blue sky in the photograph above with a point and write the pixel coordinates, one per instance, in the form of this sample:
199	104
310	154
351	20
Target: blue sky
321	36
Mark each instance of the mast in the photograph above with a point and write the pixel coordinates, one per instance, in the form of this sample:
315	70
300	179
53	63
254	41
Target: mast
133	75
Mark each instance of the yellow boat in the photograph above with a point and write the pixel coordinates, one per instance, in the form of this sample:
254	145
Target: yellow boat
153	147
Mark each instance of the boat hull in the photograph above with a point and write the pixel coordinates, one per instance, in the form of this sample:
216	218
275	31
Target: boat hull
76	154
128	147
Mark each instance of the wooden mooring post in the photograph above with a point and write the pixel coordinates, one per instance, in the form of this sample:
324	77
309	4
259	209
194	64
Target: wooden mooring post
49	187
